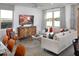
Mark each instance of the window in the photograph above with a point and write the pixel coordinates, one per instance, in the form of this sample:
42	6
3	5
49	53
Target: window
48	15
49	19
6	17
56	18
57	14
53	19
57	23
49	23
6	14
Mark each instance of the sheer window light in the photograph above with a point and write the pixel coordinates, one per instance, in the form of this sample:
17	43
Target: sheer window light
57	23
57	14
49	23
48	15
6	14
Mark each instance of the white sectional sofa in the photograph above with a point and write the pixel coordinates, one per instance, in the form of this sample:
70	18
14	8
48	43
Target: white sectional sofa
60	41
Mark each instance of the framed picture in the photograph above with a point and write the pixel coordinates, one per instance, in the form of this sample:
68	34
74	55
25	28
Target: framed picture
26	19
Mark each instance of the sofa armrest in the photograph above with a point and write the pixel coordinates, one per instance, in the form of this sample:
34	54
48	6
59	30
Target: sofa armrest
51	42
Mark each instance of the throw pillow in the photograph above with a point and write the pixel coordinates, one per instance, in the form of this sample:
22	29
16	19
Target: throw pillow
51	35
62	30
65	29
46	30
50	29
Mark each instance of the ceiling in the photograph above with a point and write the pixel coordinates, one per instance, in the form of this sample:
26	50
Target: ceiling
41	6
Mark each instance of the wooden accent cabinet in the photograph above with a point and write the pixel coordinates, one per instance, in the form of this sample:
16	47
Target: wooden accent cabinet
26	31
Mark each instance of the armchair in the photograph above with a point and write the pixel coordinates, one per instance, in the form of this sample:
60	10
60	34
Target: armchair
8	32
11	34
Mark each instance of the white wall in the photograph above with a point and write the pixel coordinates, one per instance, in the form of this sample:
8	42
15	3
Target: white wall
68	15
4	7
18	10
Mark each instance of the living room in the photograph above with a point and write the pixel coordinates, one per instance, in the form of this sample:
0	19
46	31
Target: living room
38	29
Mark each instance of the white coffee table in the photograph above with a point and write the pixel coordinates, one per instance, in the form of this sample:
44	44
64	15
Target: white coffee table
37	37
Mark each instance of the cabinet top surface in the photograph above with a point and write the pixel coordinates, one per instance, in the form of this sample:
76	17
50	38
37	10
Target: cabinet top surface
26	27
